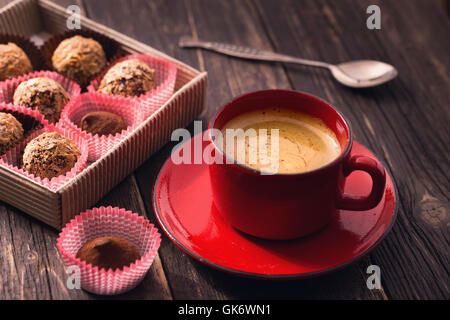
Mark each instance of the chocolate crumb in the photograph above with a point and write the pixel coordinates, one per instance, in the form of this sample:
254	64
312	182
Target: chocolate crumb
103	123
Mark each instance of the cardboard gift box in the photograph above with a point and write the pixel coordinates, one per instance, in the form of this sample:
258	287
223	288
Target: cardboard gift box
38	20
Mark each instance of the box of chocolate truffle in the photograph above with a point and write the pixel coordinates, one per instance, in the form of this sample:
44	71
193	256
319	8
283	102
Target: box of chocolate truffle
80	110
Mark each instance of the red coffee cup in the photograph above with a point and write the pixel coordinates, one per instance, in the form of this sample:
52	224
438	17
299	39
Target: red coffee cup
288	206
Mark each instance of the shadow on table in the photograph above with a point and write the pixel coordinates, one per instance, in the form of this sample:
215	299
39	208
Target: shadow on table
344	284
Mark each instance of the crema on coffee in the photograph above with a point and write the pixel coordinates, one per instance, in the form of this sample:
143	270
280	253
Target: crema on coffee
279	140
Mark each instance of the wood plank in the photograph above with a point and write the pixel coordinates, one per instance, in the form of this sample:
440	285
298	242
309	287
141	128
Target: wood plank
405	121
20	259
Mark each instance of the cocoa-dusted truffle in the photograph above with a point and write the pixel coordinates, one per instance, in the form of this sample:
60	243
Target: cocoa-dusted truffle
109	252
79	59
11	131
13	61
50	155
43	94
130	77
102	123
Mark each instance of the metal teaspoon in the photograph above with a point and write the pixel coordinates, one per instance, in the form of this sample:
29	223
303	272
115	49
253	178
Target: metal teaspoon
355	74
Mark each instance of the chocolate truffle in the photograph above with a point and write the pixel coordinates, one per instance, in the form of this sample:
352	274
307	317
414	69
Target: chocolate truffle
13	62
50	155
11	131
109	252
102	123
128	78
79	59
43	94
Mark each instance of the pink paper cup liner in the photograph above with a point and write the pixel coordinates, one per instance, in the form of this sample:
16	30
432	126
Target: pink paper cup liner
12	159
165	76
31	120
8	87
108	221
130	111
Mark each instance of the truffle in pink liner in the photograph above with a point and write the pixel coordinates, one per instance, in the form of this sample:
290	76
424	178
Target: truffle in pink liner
50	155
109	252
11	131
106	226
130	77
42	94
102	123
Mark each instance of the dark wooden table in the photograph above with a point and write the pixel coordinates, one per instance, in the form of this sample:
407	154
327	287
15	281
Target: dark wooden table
405	122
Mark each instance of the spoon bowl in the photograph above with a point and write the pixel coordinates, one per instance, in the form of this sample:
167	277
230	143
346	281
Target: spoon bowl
363	73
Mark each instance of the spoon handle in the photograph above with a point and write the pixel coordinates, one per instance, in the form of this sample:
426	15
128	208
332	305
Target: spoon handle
247	53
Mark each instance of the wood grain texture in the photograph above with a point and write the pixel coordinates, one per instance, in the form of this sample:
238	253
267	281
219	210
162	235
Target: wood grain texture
405	122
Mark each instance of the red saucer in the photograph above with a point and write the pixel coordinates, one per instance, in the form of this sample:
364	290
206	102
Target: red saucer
183	205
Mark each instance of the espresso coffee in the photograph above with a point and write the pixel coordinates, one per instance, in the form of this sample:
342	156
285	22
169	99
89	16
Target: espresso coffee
279	140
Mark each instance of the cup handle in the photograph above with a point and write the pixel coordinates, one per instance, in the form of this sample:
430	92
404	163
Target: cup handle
378	175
